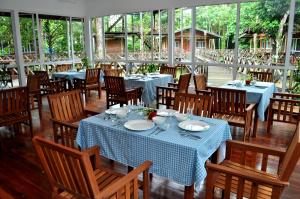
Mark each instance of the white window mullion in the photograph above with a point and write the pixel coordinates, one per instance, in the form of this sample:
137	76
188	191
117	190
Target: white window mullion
193	40
236	41
171	34
289	43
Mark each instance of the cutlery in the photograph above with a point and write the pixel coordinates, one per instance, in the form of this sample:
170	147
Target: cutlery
155	129
188	135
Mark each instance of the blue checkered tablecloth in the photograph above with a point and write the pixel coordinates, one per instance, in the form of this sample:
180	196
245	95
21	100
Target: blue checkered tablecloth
178	158
149	85
258	94
70	75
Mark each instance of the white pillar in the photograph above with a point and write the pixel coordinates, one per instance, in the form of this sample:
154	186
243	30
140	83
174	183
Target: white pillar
18	47
171	36
289	44
193	40
88	38
236	40
40	41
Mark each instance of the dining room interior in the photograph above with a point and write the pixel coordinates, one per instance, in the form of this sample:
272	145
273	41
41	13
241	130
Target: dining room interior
149	99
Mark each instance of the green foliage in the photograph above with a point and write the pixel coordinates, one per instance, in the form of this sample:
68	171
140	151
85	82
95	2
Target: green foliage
85	62
149	68
296	78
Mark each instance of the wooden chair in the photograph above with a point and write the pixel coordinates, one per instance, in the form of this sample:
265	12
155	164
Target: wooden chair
166	95
71	174
113	72
200	81
262	76
33	84
168	70
50	86
230	105
202	103
116	92
91	82
63	67
284	107
14	107
251	182
67	110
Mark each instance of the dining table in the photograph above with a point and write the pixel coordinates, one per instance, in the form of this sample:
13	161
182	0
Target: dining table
149	83
258	93
177	153
72	74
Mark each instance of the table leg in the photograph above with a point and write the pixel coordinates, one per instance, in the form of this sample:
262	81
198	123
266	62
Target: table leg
189	192
255	122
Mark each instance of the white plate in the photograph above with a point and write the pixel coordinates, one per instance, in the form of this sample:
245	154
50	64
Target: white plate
193	125
166	112
115	111
139	125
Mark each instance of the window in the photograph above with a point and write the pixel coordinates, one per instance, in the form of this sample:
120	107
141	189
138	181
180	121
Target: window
78	38
160	35
29	37
262	39
183	33
139	39
56	37
114	30
200	44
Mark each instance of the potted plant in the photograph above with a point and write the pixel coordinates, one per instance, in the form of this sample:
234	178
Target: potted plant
248	79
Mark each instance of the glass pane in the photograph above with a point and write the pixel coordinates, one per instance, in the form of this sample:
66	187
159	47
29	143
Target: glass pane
29	37
139	36
56	37
263	29
8	71
97	38
160	34
183	33
215	33
114	37
295	50
78	38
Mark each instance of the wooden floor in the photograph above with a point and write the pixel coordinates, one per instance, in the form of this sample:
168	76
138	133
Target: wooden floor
22	177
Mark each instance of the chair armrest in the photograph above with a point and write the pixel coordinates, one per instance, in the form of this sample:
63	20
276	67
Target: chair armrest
175	85
255	148
167	88
94	154
283	100
91	112
247	175
250	107
127	179
286	95
64	123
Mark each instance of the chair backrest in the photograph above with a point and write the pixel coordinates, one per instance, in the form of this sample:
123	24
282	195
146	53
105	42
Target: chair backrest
67	169
106	66
201	103
228	101
200	81
114	85
184	82
33	83
14	100
59	85
168	70
285	107
63	67
92	76
44	77
67	106
113	72
291	157
262	76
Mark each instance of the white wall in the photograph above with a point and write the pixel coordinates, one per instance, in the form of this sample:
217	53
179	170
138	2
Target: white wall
108	7
54	7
